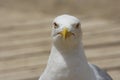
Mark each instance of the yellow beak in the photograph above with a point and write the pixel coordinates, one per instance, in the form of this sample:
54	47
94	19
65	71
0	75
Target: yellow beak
65	33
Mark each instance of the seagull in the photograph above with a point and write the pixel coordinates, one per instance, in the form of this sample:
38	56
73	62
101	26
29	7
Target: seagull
67	60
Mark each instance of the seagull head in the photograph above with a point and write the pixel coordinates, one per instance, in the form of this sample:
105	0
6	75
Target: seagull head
66	30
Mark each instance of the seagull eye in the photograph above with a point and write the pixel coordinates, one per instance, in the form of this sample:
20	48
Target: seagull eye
55	25
77	25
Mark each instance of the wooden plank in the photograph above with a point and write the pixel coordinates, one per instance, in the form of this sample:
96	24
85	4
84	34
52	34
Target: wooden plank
102	52
19	75
115	74
107	63
23	32
22	62
23	52
26	42
98	25
98	63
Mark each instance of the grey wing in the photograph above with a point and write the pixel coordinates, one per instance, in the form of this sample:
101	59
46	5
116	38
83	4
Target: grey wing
101	74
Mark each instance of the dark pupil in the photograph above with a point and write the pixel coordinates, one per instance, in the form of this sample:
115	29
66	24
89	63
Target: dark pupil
55	24
77	25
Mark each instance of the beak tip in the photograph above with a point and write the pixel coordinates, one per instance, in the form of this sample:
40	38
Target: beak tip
65	33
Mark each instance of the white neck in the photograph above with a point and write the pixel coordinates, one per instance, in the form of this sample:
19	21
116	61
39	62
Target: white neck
69	65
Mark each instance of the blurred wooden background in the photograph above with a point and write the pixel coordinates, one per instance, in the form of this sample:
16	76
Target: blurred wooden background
25	39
